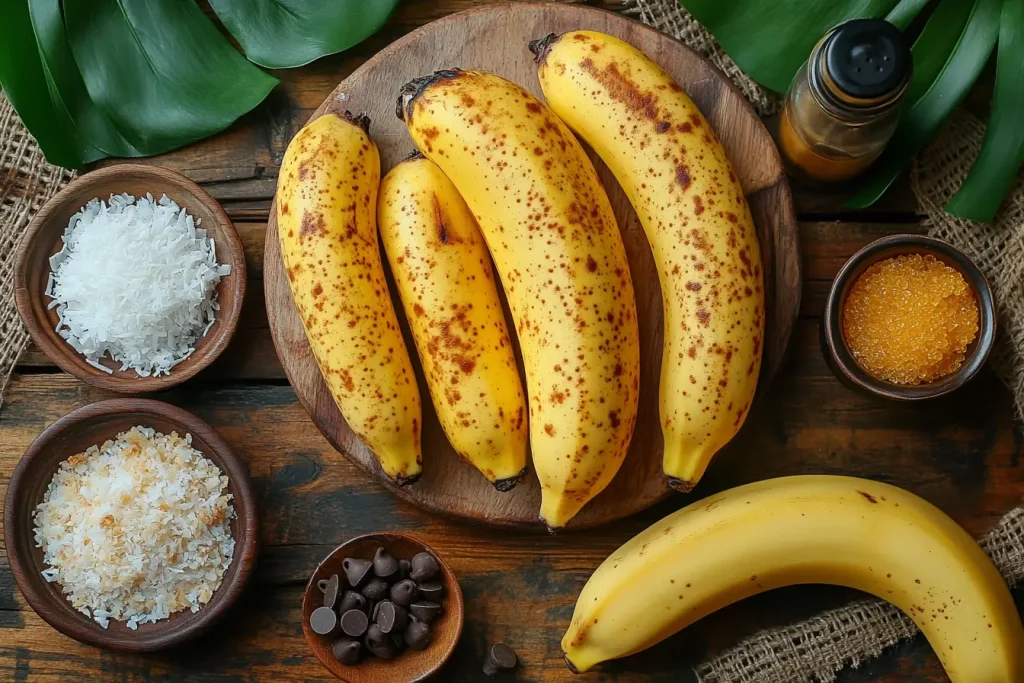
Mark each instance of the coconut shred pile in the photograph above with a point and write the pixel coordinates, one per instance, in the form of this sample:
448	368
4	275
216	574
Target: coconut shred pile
135	280
136	529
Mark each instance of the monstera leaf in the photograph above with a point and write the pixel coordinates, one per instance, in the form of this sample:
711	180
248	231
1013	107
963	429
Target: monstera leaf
1002	153
97	78
279	34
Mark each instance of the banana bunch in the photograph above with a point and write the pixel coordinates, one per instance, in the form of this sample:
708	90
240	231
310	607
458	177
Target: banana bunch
326	219
556	245
444	278
691	205
804	529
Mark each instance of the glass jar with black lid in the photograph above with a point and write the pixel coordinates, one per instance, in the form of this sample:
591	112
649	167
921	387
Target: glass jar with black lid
844	103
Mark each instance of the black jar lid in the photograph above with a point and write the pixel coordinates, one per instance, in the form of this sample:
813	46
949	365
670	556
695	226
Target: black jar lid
868	59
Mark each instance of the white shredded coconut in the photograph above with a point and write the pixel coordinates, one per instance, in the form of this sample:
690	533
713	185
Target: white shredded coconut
135	280
136	529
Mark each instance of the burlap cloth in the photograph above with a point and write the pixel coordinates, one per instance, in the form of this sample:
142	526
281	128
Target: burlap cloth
26	183
812	650
817	648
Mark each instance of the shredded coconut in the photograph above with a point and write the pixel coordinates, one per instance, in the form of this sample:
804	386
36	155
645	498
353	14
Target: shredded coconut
135	280
136	529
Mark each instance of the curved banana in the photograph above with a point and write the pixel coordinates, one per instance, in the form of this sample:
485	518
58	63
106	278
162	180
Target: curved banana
804	529
676	174
555	242
326	219
443	273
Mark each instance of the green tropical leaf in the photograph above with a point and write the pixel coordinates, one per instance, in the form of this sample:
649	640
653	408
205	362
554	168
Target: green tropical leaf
280	34
935	46
32	91
160	70
770	40
922	118
905	12
67	90
1002	152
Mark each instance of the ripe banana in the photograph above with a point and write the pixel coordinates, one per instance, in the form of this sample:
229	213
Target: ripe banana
676	174
443	273
555	242
795	530
326	219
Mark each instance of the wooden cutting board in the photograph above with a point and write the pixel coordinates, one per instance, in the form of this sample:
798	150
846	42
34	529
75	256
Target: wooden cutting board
494	38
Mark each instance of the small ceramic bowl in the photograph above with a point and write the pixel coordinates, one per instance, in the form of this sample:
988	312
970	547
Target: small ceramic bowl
74	433
43	239
411	665
838	355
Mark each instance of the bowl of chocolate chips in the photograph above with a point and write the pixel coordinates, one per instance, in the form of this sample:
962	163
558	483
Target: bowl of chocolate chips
382	607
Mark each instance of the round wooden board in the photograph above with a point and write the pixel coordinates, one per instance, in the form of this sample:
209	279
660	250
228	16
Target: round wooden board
494	38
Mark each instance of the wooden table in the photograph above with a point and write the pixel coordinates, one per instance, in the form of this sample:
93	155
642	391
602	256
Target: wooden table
961	452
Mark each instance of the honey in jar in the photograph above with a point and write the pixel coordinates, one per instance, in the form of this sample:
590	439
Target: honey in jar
843	105
910	319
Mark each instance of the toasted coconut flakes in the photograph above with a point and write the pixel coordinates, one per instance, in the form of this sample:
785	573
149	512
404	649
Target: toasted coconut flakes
136	529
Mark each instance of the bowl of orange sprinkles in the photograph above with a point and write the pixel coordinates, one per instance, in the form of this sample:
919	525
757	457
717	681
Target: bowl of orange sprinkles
908	317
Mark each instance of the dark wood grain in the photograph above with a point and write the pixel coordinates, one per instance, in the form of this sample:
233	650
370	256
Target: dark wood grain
44	238
77	431
495	38
411	665
962	452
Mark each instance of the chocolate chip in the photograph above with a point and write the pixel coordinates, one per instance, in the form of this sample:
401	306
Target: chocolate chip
381	644
356	570
323	620
354	623
417	635
352	600
425	611
432	590
424	567
347	651
404	592
375	611
384	564
499	657
376	589
330	590
391	617
404	567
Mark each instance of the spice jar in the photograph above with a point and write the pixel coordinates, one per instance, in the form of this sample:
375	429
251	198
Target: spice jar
843	105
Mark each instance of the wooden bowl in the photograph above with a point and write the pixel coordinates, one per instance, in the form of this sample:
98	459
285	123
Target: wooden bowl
838	355
73	433
411	665
495	37
44	238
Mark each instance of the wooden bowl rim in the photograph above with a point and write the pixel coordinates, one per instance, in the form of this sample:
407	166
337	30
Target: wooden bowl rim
367	668
247	538
837	353
229	250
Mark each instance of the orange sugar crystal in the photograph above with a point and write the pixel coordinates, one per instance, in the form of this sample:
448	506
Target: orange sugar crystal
909	319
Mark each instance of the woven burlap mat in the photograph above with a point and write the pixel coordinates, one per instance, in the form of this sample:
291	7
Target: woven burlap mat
26	183
817	648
